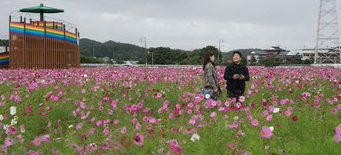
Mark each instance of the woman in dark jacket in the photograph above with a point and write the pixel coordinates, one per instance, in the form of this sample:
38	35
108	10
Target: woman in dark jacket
211	77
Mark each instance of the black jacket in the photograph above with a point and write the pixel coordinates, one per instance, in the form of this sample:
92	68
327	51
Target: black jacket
236	84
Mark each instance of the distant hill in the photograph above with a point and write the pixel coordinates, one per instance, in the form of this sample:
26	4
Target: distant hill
113	50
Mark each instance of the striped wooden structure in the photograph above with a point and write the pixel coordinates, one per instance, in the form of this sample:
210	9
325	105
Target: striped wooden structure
42	46
4	58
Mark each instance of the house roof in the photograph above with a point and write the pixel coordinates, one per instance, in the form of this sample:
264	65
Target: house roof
260	52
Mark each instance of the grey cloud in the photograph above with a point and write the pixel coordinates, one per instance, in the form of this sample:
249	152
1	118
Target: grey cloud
190	24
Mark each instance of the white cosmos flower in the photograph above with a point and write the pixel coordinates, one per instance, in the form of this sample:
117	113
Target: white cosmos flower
85	75
6	127
22	130
195	137
276	110
235	117
14	122
271	128
207	96
13	110
70	126
1	117
15	117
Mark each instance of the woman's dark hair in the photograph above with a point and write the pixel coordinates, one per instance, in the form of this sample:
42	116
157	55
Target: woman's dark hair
207	59
237	52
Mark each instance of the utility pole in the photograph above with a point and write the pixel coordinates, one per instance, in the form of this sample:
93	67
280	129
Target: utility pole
144	39
220	41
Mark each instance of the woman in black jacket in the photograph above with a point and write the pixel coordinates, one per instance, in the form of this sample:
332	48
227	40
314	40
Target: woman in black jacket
235	75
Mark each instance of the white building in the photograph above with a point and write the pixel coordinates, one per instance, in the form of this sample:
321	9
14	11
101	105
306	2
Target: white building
2	49
309	53
257	54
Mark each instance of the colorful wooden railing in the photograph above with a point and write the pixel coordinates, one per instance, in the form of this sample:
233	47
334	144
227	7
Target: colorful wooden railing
17	27
4	58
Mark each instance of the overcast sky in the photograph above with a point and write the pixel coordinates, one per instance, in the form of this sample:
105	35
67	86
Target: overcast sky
186	24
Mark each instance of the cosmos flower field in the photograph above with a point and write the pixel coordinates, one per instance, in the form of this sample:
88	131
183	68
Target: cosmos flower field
137	110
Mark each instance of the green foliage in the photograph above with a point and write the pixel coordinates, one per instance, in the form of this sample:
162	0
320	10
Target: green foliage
4	42
119	62
84	59
266	62
196	56
244	61
166	55
307	61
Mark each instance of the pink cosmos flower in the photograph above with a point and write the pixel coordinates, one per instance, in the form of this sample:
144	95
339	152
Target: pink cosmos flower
138	139
12	130
190	105
138	126
149	127
123	130
230	146
249	117
334	110
238	105
106	131
37	141
79	125
241	98
134	120
254	122
28	109
48	108
338	129
269	118
266	132
240	132
98	123
265	112
252	105
105	146
213	114
9	141
288	113
93	146
46	138
92	130
116	121
170	115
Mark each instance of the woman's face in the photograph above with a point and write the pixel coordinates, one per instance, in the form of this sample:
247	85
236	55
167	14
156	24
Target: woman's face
212	58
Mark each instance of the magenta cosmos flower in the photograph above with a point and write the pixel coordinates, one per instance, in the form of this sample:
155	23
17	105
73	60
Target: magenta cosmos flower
138	139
